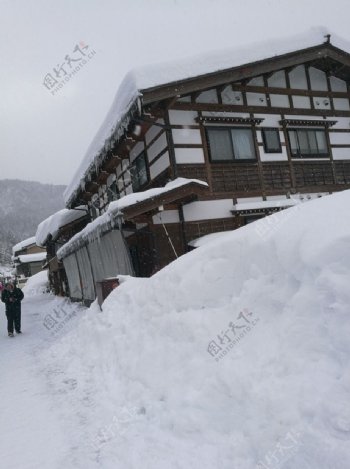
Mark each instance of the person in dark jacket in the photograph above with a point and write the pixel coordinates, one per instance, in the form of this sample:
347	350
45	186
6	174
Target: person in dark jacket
12	297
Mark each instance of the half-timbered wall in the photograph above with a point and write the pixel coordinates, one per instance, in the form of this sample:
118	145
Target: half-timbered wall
302	94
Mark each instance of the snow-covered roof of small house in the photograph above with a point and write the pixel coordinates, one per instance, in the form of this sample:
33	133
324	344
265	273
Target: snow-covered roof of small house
23	244
36	257
52	224
120	206
138	81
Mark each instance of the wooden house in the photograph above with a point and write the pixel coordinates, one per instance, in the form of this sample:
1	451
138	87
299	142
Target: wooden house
28	258
53	233
259	128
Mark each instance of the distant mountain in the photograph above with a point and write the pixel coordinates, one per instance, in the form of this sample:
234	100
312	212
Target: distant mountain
23	205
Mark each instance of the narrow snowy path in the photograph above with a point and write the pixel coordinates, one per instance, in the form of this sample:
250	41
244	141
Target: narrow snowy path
31	432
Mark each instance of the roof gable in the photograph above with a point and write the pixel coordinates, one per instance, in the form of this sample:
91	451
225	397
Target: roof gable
325	57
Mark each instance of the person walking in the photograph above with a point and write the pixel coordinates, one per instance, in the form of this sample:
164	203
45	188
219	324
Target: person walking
12	297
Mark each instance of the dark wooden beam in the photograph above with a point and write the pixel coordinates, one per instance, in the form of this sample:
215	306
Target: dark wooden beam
246	71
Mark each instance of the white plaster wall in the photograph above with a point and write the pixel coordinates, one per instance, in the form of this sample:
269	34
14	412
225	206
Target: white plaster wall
297	78
248	199
128	190
341	153
270	120
153	131
341	104
341	138
302	102
208	209
167	216
183	136
182	117
111	178
160	165
338	85
225	114
273	156
277	80
318	79
321	103
342	122
209	96
138	148
156	147
189	155
256	99
279	100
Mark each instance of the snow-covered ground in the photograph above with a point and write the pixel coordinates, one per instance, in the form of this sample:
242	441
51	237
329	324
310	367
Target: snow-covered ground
236	356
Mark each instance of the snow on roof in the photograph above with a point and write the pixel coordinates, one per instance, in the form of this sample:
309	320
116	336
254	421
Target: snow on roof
52	224
23	244
36	257
117	207
154	75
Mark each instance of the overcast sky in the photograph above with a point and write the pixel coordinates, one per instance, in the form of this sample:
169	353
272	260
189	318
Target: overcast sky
43	137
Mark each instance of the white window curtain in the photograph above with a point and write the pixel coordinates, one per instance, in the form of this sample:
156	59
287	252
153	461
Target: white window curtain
243	145
87	280
109	256
72	271
220	145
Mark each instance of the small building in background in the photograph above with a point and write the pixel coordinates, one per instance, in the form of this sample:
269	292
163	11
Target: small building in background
53	233
28	258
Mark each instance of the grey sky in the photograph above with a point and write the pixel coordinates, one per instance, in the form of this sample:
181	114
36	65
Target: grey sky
44	137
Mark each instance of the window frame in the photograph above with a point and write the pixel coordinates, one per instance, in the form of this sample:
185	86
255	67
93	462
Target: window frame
265	143
299	156
135	170
228	129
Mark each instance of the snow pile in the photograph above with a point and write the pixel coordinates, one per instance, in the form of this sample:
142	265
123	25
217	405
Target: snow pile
52	224
146	78
117	207
234	356
36	284
23	244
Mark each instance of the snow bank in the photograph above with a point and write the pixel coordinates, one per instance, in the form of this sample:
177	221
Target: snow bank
148	77
234	356
23	244
52	224
37	284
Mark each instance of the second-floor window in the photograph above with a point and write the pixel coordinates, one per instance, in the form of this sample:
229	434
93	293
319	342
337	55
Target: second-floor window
138	171
231	144
306	143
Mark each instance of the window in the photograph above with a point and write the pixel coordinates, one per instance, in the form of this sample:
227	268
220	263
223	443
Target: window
271	140
231	144
306	143
112	191
138	171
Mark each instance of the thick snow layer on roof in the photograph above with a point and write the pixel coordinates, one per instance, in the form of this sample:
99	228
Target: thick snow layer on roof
118	206
234	356
159	74
36	257
52	224
23	244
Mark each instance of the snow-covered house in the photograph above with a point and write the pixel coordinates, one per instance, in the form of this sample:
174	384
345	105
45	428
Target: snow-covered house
52	233
28	258
260	127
